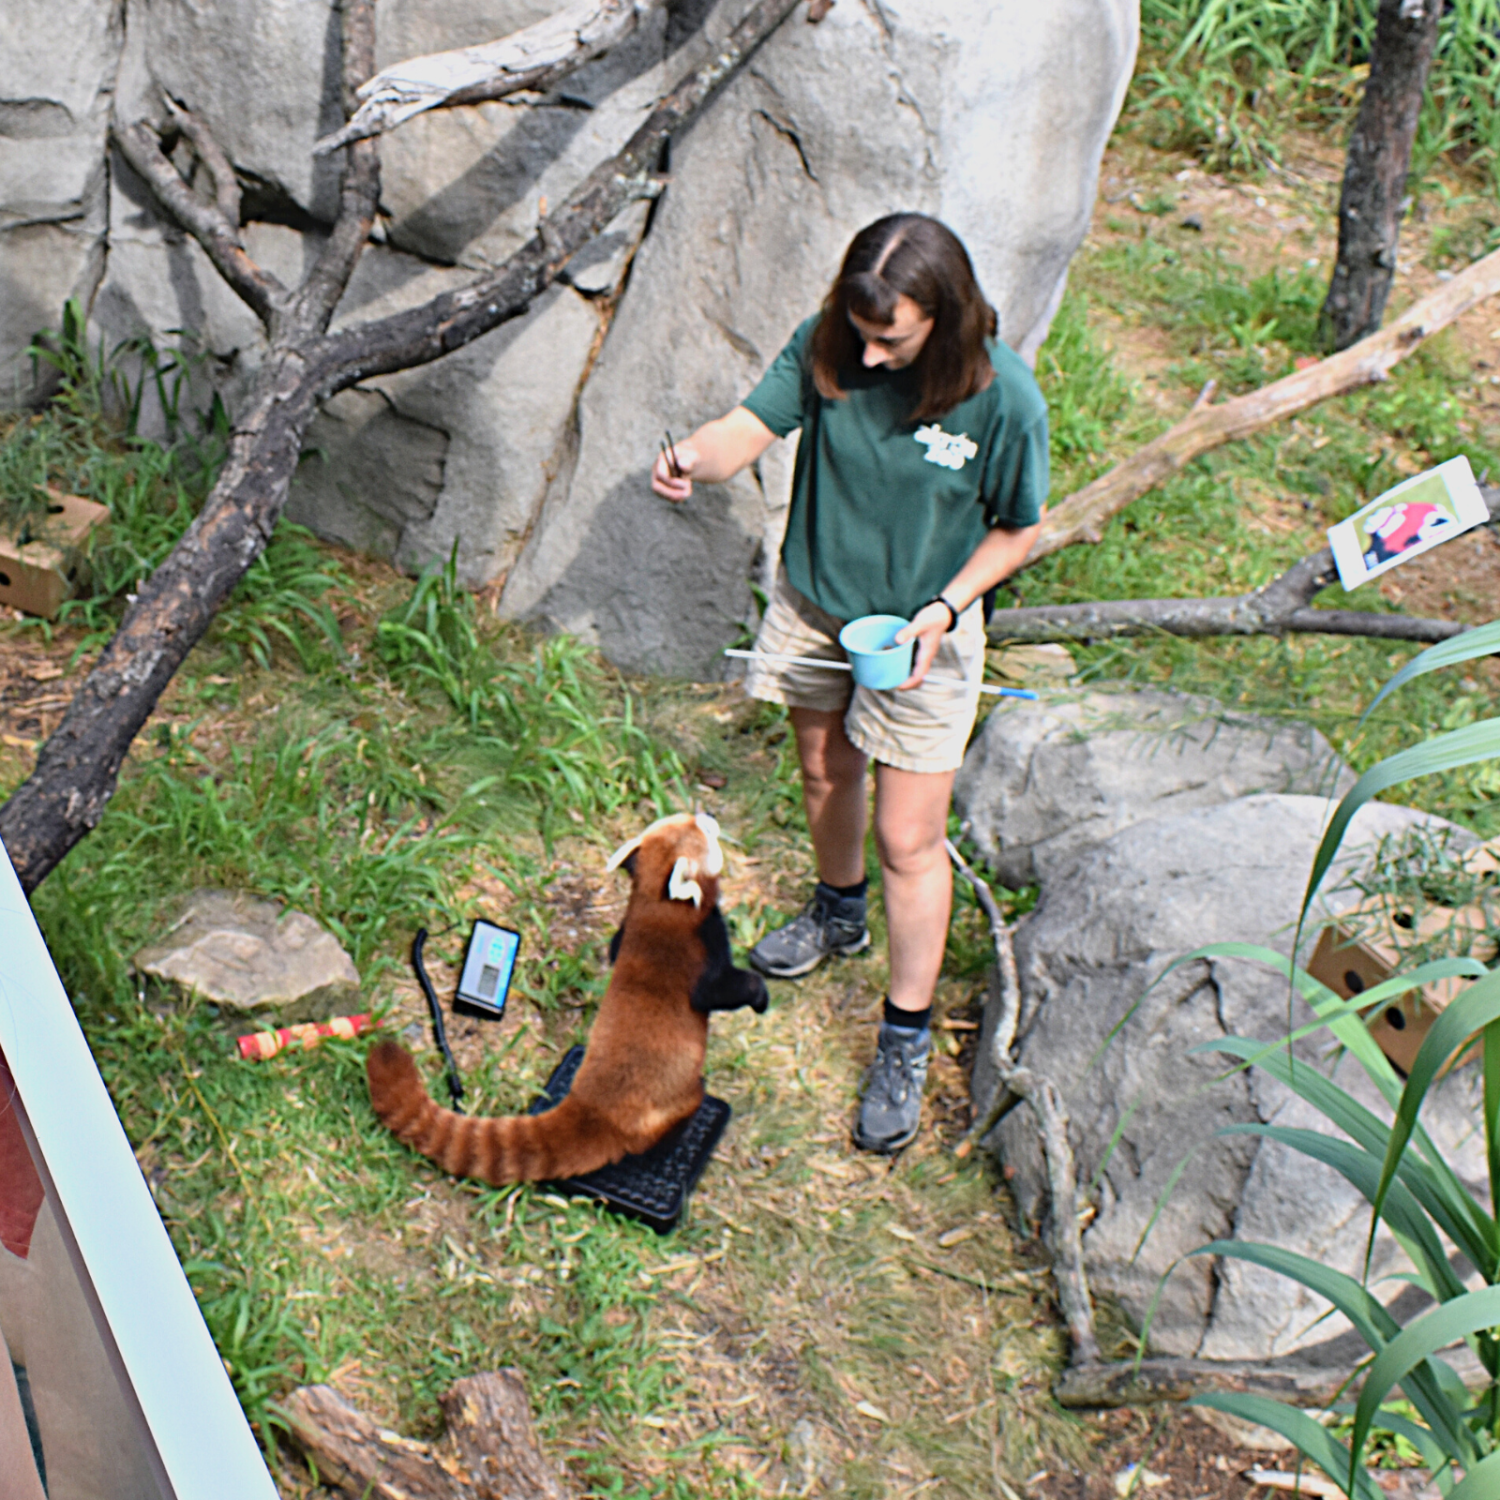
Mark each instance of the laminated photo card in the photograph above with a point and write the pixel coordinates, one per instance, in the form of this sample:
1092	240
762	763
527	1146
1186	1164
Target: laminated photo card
1417	515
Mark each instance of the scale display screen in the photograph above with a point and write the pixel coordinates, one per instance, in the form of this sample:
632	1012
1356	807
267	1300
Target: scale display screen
488	965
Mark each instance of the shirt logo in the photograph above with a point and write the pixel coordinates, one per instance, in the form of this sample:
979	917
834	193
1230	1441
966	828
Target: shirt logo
951	450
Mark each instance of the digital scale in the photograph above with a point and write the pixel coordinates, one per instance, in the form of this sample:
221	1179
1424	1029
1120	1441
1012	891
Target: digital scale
489	962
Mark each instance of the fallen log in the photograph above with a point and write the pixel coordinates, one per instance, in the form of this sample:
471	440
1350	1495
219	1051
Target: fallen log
1166	1379
1081	517
488	1451
1281	607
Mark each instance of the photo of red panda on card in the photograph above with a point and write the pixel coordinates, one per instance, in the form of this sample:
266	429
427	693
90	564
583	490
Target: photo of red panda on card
641	1074
1409	519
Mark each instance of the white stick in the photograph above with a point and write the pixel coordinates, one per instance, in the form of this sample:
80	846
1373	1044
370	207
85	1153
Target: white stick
843	666
793	661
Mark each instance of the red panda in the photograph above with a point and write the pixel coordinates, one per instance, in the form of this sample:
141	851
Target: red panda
642	1072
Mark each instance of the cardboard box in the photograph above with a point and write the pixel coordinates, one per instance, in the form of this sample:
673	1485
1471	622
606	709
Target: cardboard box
1358	952
43	566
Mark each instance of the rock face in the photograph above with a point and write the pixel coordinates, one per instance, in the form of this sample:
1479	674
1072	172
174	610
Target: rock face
949	108
252	958
526	449
57	69
1107	925
1042	781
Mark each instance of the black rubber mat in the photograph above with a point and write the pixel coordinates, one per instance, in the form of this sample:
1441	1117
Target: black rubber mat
654	1186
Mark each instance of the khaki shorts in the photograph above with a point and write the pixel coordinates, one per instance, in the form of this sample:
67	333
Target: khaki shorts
925	728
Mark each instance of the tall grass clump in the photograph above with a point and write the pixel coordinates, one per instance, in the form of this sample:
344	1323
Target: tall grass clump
88	441
1451	1236
542	722
1222	78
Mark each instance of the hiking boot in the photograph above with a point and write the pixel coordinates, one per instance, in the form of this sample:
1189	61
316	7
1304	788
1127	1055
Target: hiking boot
890	1108
829	923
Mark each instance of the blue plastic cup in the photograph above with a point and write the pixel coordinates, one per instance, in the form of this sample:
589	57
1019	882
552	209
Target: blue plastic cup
878	661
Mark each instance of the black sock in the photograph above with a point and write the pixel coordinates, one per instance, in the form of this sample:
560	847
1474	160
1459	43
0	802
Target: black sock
858	889
906	1020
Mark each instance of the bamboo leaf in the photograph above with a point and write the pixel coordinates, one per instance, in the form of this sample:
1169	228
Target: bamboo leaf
1483	640
1477	1007
1311	1437
1444	752
1492	1111
1432	1182
1370	1318
1482	1482
1400	1210
1362	1308
1467	1314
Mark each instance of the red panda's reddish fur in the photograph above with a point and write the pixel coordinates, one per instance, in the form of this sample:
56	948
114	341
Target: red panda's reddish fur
641	1074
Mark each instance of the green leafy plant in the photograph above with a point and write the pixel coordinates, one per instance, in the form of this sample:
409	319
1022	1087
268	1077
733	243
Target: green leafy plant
1410	1185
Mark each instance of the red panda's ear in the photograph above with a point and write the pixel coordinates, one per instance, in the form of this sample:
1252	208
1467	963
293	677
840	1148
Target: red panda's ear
682	886
713	861
625	855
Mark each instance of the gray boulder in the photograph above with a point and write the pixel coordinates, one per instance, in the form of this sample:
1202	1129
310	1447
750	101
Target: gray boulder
1106	927
991	115
57	68
458	450
253	959
1041	781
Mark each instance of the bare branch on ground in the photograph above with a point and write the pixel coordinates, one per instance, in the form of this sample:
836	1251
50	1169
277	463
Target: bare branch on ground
1281	607
489	1450
1165	1378
1014	1082
1081	517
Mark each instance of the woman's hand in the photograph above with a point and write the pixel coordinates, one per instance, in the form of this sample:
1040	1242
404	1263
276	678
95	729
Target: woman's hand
927	627
716	452
675	487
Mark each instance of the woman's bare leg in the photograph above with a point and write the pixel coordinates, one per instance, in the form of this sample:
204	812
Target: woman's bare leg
911	821
833	792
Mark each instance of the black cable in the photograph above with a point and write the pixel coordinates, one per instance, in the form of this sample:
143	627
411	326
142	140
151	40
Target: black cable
440	1034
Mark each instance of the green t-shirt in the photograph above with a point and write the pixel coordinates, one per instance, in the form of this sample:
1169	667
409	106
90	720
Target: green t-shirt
886	510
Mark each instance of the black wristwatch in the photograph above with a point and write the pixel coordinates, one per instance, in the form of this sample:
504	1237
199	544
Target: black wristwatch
952	613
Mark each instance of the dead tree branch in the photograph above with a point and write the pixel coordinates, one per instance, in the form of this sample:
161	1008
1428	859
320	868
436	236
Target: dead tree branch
1164	1378
489	1450
359	192
78	768
208	223
453	319
1081	517
1015	1082
534	58
1090	1381
1281	607
211	154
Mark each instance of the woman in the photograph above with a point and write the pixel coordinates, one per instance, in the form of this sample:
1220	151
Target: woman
920	479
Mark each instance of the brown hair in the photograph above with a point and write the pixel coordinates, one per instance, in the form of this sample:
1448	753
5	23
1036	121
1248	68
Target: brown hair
909	255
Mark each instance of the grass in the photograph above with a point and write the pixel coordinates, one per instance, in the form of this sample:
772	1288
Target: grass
1228	78
384	752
